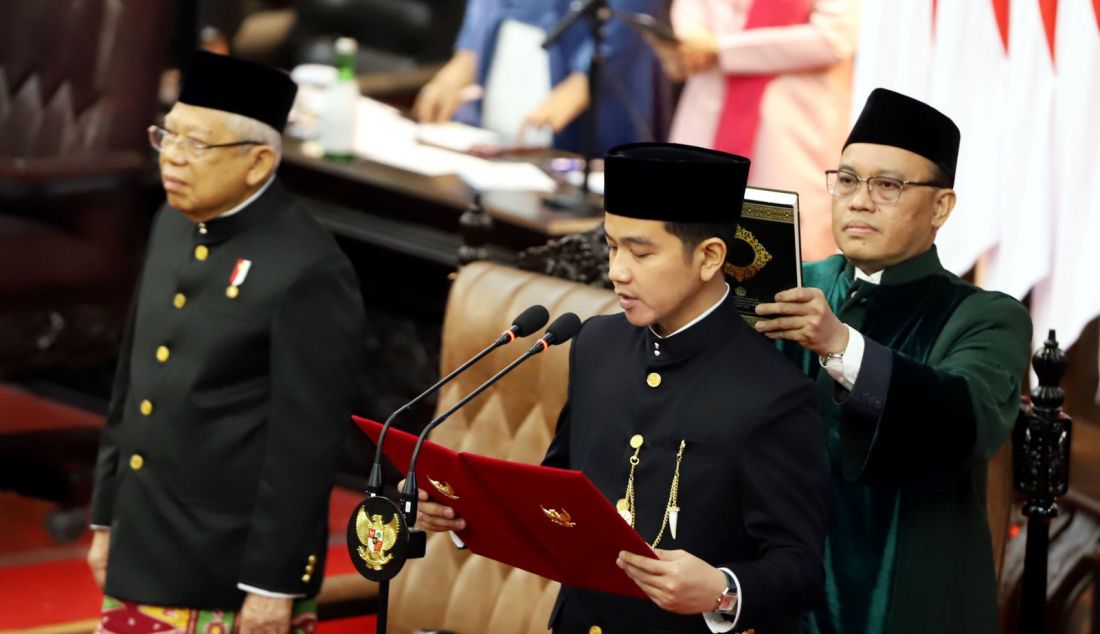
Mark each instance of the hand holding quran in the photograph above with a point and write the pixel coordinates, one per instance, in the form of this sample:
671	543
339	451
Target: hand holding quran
803	315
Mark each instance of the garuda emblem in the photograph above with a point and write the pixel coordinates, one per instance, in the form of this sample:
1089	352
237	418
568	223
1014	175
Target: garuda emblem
375	539
561	518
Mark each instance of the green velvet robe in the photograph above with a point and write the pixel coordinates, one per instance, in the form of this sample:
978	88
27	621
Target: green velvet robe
909	548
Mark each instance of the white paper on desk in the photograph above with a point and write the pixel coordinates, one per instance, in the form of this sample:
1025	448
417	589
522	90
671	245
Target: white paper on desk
386	137
426	160
456	136
518	82
380	127
524	177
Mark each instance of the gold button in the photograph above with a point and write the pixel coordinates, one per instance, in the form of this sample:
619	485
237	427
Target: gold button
201	252
312	559
180	300
163	353
622	504
306	578
232	292
309	569
595	629
146	407
137	462
653	380
637	439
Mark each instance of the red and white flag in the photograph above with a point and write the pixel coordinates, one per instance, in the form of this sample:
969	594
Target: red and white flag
1025	158
1070	298
969	75
895	46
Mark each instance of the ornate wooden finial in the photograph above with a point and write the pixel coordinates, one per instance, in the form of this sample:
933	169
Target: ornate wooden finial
1042	436
1049	364
1041	446
475	226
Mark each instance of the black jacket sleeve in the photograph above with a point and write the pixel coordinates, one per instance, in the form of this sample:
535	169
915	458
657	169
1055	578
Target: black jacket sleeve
785	490
316	367
903	417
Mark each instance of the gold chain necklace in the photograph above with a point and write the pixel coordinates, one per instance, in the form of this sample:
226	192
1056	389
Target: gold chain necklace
626	505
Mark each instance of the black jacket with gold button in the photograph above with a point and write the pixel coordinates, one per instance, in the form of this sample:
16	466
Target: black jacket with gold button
230	401
753	486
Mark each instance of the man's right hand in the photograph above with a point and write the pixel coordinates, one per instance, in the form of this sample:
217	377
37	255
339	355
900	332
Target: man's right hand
440	97
97	555
432	516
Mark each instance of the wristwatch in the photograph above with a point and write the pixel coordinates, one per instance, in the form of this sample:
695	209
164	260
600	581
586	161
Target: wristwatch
824	359
727	602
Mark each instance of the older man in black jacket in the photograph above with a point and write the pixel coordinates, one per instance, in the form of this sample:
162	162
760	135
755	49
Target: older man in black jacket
236	377
708	441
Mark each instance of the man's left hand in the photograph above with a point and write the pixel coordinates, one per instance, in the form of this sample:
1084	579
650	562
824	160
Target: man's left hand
264	615
678	582
807	319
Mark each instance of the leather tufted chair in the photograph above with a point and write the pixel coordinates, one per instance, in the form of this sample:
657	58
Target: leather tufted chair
514	420
78	82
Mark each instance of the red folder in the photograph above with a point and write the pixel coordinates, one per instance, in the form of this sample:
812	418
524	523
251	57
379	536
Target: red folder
552	522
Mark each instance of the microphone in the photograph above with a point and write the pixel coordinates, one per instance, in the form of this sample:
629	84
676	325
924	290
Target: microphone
563	329
526	323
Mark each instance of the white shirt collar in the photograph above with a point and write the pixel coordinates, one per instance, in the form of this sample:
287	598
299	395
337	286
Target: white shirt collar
697	319
259	192
874	278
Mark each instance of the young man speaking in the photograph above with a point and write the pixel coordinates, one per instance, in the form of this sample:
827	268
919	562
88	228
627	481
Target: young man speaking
704	436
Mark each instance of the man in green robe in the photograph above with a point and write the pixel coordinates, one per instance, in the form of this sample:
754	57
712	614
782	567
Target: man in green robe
918	375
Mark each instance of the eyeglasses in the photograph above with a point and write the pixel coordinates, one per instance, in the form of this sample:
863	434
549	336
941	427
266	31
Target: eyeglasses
162	139
883	189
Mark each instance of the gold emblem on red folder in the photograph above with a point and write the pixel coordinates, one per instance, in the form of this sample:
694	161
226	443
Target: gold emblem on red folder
561	518
443	488
375	539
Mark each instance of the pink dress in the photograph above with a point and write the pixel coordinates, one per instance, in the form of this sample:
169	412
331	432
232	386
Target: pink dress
804	112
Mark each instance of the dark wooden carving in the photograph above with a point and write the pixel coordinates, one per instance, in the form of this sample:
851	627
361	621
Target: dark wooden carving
71	335
1041	472
579	257
1073	571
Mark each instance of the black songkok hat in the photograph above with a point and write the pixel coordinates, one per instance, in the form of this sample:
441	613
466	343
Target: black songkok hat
233	85
674	183
891	118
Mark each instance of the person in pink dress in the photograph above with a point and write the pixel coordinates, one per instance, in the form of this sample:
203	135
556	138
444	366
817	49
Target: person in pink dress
771	80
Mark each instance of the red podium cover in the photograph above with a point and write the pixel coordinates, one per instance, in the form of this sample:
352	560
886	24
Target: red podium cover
552	522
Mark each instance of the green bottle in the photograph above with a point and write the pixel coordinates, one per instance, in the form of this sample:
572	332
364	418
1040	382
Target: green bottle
338	123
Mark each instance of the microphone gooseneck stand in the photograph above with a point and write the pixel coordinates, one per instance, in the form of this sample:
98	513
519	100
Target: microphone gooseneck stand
410	543
580	202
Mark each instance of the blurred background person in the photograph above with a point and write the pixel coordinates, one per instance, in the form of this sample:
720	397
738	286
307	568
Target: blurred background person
529	93
770	80
235	380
